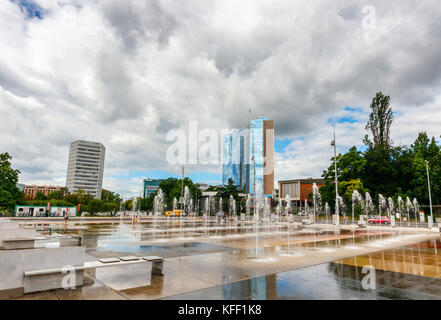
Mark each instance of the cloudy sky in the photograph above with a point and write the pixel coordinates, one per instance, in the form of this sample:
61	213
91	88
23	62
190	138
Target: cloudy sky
125	73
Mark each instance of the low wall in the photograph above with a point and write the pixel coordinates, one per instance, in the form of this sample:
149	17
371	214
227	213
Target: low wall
14	263
11	230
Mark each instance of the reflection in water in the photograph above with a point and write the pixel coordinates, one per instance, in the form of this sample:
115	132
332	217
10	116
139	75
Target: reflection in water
408	272
395	279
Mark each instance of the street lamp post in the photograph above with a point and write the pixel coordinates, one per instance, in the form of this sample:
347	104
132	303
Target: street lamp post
428	183
337	213
254	202
254	187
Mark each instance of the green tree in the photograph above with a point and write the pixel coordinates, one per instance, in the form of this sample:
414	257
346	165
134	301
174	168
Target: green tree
110	206
9	192
172	188
350	167
425	149
147	203
40	196
109	196
380	171
128	204
380	121
95	206
58	195
383	168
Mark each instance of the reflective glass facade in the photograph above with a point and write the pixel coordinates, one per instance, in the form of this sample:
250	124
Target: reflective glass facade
243	157
150	186
235	157
256	159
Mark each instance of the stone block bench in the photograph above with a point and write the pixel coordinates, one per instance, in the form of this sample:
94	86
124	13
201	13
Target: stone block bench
50	279
18	243
157	265
307	221
157	262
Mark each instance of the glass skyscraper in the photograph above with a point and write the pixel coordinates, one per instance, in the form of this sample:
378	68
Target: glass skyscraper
234	157
247	156
256	155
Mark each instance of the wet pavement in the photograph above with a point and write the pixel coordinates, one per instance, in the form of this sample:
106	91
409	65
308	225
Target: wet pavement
328	281
206	260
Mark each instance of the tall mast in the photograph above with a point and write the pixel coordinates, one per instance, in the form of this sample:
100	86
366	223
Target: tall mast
335	174
182	188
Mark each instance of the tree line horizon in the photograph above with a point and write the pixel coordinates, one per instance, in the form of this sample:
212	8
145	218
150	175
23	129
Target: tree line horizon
383	168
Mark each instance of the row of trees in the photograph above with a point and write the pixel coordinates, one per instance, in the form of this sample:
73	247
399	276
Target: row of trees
9	192
172	188
11	195
110	201
382	168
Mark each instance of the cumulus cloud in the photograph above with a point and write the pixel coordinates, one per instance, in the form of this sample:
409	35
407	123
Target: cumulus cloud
124	73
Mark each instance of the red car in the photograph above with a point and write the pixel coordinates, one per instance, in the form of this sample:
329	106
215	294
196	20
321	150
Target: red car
380	220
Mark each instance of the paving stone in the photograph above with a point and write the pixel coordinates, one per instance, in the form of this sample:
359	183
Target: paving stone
109	260
128	258
152	258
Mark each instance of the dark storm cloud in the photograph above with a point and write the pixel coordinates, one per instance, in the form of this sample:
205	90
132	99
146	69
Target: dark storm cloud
351	11
126	72
136	21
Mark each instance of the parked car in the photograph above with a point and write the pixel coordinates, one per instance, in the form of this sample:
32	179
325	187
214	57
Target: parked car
379	220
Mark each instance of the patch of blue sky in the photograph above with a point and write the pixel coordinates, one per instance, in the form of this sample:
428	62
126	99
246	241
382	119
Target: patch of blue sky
397	113
30	8
352	115
281	144
354	109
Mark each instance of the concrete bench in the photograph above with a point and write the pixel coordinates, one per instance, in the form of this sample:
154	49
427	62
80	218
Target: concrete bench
70	241
18	243
157	265
307	221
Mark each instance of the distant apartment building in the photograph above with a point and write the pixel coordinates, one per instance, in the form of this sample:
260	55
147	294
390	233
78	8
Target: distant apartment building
299	189
248	157
30	191
86	167
150	186
203	186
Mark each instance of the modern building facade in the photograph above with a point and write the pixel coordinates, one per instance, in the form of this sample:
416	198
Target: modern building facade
298	190
150	186
248	157
203	186
85	169
235	157
261	157
30	191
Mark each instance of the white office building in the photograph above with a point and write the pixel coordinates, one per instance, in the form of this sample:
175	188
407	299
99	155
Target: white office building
86	167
